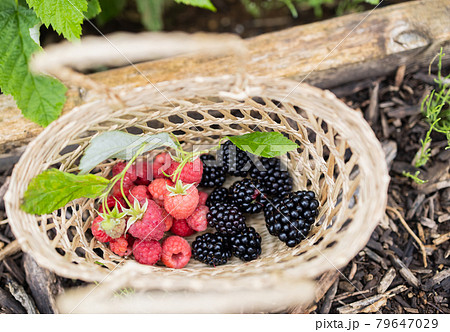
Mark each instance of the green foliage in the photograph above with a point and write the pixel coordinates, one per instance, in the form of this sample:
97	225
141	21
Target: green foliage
348	6
151	13
93	9
415	177
40	98
264	144
110	9
52	189
436	109
207	4
64	16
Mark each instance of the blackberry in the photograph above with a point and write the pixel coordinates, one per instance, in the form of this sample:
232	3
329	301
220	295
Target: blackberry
274	180
236	161
218	195
246	245
247	197
211	249
226	218
213	174
290	218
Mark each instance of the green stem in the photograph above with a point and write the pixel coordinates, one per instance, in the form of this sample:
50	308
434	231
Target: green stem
120	177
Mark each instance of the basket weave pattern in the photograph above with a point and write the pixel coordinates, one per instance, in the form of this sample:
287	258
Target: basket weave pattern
339	159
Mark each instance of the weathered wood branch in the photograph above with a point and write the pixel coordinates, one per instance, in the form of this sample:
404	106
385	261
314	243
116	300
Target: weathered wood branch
326	54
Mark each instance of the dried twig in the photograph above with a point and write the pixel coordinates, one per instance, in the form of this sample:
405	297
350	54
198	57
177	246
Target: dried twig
410	231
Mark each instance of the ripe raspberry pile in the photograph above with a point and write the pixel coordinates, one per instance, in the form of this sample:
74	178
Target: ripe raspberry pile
157	204
146	208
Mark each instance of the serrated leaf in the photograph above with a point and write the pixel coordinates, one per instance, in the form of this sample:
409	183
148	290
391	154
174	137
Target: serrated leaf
65	16
207	4
53	189
110	9
121	145
264	144
151	13
93	9
40	98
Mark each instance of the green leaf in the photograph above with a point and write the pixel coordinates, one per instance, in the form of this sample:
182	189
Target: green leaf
65	16
93	9
121	145
151	13
264	144
110	9
40	98
53	189
207	4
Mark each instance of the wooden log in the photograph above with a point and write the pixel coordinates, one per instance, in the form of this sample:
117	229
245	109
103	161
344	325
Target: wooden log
326	54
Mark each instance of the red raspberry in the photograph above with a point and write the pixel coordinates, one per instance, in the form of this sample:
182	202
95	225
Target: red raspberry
191	172
197	221
140	193
168	219
111	202
151	226
182	206
147	252
128	179
144	172
160	164
122	246
131	172
202	197
180	227
158	188
159	202
98	232
176	252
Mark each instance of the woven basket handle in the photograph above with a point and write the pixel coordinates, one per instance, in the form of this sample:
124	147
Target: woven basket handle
125	48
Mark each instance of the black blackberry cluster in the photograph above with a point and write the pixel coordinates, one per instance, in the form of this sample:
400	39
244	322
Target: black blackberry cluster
246	245
290	218
247	197
218	195
211	249
214	175
273	179
226	218
236	161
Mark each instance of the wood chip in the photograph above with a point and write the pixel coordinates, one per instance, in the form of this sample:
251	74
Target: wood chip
373	256
404	271
432	282
20	295
371	304
9	250
329	297
400	75
427	222
9	305
44	285
386	281
372	110
441	239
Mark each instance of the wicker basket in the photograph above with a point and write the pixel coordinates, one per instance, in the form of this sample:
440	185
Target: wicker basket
339	159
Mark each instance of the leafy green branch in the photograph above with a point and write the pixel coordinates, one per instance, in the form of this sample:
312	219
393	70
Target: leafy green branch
41	98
